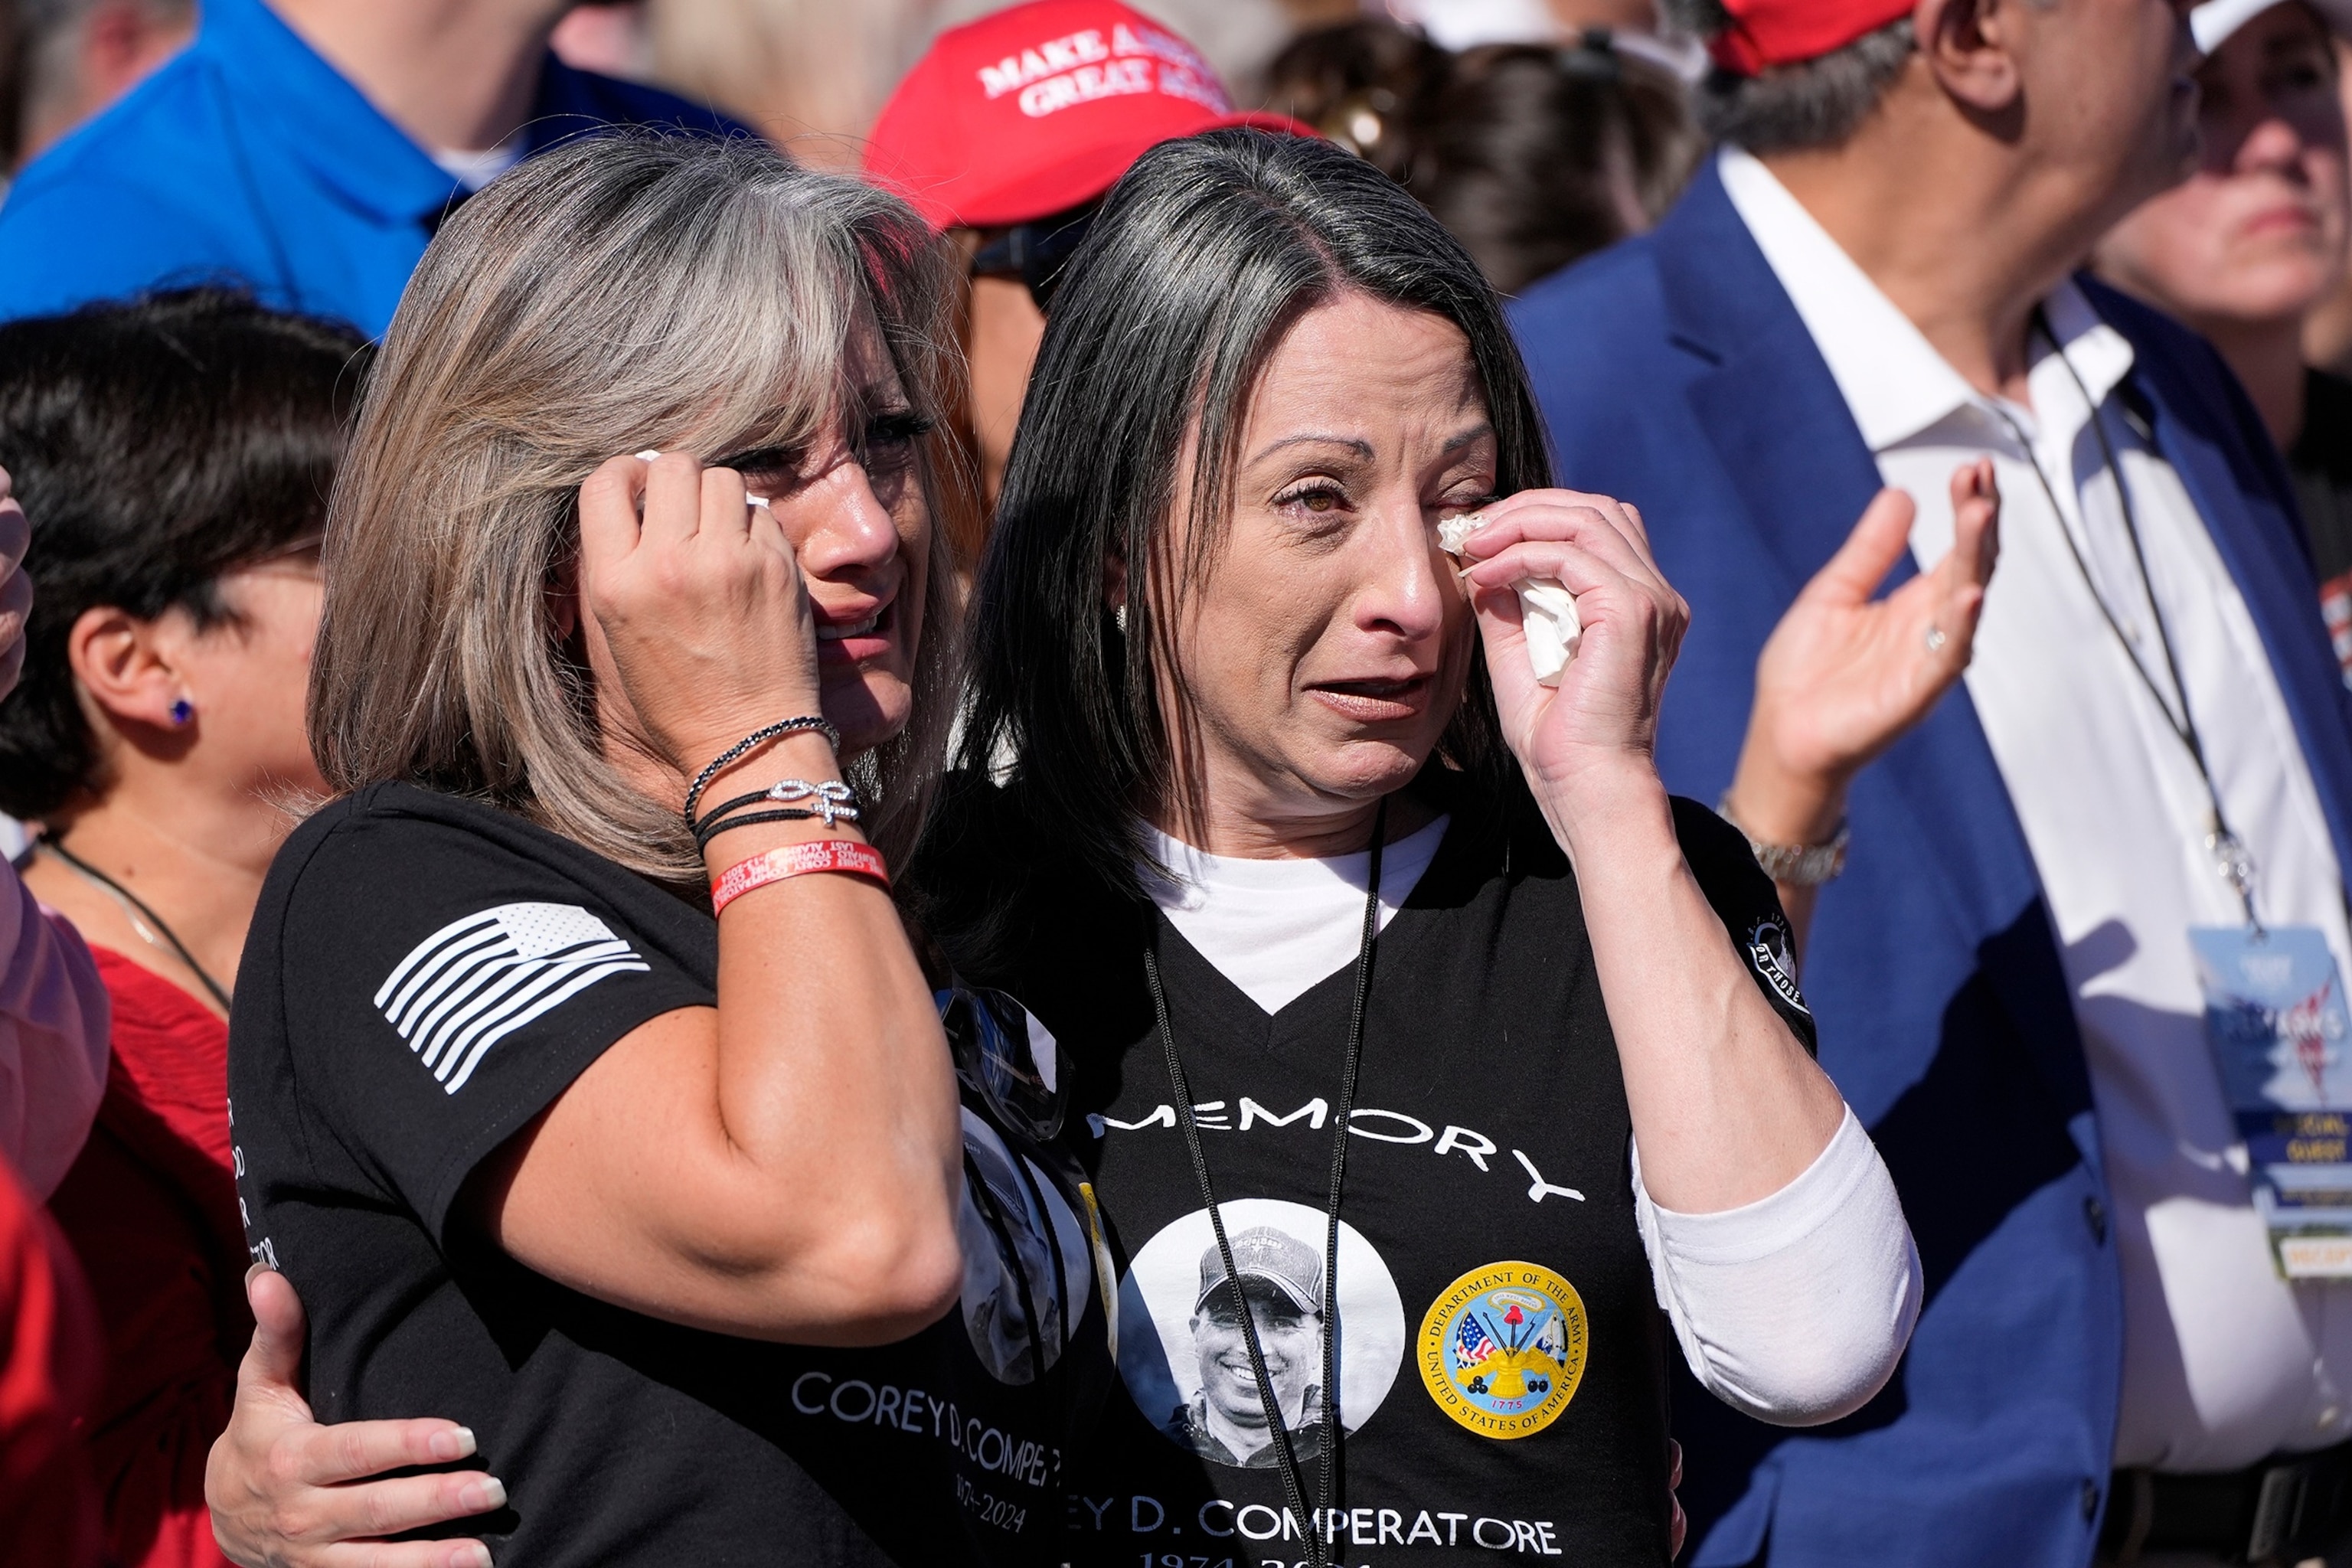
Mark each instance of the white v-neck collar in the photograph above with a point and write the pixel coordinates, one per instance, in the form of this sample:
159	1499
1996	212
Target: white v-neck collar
1278	928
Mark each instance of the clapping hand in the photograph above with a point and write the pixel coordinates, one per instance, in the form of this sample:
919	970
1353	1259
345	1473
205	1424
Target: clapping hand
1843	675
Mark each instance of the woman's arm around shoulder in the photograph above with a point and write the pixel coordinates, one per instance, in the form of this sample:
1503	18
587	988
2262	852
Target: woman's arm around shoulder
287	1492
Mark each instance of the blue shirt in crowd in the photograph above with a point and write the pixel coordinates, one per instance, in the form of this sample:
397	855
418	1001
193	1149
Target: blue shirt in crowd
247	158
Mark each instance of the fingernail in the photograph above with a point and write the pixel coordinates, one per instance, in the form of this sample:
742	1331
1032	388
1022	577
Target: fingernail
454	1445
480	1497
647	455
471	1554
757	500
258	1267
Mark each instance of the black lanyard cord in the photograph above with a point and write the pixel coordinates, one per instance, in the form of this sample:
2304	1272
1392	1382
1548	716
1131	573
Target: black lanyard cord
2229	852
1318	1550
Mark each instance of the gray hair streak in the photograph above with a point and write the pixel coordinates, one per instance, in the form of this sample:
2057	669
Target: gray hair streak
1206	253
627	290
1815	103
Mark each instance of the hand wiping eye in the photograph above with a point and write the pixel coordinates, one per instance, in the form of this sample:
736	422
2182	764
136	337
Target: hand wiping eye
1547	610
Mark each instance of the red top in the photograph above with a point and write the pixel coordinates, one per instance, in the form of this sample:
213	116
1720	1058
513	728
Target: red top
1767	33
150	1206
48	1381
1034	108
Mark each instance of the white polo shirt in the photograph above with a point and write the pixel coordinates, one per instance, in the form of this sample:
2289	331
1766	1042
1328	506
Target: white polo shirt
2225	1362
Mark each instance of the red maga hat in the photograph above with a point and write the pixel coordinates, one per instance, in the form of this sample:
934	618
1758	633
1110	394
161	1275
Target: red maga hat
1765	33
1030	111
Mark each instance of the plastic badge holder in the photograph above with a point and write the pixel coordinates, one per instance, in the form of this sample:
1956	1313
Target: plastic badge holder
2276	1016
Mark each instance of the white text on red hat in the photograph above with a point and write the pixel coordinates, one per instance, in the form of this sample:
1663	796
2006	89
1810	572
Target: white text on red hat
1080	67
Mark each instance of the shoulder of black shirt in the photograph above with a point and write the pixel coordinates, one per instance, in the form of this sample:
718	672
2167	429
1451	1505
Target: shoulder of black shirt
2321	461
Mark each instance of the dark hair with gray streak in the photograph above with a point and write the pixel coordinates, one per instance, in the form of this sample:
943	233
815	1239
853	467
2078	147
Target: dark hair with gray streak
1204	256
1818	102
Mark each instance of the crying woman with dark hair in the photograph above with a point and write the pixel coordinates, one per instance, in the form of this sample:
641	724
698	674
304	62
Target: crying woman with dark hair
1308	800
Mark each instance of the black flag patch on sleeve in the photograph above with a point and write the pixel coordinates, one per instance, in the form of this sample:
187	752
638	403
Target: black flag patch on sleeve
1768	954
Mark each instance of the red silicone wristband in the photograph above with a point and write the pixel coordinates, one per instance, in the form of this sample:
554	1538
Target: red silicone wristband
797	861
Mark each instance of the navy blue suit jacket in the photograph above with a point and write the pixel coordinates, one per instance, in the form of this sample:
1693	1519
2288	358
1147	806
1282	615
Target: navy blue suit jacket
1675	372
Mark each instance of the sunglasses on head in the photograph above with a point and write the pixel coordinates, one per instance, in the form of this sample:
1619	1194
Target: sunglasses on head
1037	252
1007	1059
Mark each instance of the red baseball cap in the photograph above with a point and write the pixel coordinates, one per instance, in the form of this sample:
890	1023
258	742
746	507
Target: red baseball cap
1761	33
1033	109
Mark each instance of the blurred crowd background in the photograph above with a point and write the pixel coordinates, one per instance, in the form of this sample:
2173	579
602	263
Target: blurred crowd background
810	73
1538	130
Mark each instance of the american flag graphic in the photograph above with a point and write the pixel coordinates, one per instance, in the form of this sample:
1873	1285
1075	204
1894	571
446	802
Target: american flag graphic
477	980
1472	1342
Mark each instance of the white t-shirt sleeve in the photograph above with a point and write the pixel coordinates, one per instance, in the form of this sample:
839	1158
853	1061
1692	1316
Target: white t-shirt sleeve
54	1019
1795	1308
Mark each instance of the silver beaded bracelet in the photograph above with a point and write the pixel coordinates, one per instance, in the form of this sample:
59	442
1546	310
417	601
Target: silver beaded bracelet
1794	865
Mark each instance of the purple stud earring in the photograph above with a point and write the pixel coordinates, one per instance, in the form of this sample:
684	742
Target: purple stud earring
182	710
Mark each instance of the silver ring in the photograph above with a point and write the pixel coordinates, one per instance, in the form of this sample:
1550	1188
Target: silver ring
1936	639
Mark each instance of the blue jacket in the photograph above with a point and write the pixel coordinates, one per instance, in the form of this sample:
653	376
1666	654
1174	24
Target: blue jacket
1675	372
247	158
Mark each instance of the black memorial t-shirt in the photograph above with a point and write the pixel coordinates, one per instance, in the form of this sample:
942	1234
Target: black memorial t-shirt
425	975
1502	1386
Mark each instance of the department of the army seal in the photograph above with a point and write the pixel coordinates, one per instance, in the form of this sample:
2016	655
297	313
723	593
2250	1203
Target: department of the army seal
1502	1347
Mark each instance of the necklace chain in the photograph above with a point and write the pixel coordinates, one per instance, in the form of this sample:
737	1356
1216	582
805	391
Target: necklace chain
135	903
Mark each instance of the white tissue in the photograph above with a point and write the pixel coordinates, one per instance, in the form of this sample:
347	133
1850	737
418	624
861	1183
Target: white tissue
1547	611
1547	616
1453	532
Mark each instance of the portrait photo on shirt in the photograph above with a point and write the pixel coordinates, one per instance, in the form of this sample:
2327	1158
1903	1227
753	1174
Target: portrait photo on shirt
1184	1355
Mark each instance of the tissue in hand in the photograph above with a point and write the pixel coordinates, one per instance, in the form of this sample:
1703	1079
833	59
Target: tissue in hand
1546	610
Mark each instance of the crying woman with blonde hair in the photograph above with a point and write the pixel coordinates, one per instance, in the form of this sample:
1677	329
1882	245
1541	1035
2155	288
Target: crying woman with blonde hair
637	612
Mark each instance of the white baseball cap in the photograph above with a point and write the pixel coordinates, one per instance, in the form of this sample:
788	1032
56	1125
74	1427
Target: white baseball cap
2212	23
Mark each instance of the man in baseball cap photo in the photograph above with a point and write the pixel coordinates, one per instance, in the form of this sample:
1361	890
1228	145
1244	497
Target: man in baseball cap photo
2128	1352
1281	1288
1006	134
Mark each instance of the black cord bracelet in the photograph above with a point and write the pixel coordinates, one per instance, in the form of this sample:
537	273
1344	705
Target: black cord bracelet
829	799
712	827
782	727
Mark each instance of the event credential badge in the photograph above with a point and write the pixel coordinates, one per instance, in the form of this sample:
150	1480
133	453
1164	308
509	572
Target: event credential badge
2275	1013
